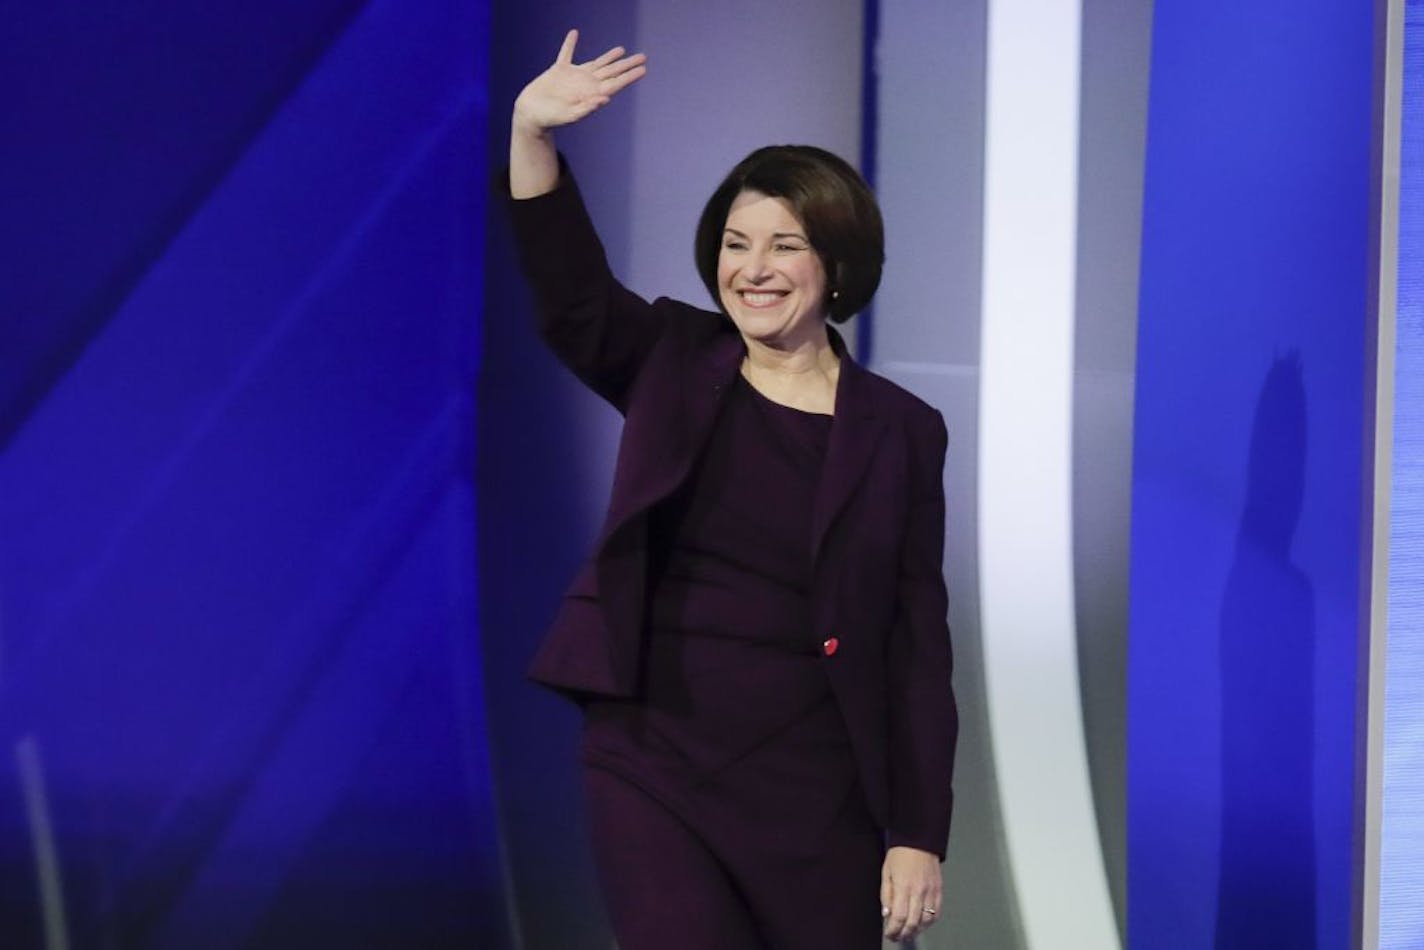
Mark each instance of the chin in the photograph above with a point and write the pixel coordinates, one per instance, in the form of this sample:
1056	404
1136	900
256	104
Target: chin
760	328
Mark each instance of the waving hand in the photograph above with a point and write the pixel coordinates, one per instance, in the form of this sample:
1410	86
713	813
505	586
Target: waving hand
563	93
568	91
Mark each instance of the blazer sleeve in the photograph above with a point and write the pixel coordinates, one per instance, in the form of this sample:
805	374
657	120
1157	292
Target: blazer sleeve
924	723
598	328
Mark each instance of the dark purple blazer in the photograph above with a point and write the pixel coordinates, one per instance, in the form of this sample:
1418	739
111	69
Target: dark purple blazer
878	517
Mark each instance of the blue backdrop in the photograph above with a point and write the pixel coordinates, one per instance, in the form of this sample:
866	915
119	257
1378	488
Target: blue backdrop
243	687
1247	475
240	686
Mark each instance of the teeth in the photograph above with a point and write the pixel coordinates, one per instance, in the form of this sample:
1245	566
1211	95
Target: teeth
760	300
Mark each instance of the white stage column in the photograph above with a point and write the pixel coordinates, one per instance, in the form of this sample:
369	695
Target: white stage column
1025	474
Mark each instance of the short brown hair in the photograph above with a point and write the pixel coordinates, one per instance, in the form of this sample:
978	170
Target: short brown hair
831	201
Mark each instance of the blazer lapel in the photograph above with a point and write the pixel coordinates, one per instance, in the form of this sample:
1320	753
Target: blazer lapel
855	433
711	382
663	444
707	388
683	423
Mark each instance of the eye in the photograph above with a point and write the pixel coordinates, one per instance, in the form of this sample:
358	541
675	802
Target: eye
733	244
788	248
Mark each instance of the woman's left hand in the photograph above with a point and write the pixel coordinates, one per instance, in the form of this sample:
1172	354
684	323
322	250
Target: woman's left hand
909	892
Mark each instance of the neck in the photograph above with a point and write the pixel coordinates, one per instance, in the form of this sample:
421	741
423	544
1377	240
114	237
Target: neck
804	377
813	356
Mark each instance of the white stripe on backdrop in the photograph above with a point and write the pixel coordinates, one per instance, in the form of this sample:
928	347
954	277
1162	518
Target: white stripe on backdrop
1025	474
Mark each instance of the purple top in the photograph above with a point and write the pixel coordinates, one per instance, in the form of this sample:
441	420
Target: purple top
732	661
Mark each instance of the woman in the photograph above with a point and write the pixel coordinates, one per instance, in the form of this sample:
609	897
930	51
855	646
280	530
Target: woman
769	728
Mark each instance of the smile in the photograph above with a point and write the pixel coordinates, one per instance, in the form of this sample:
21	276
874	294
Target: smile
762	298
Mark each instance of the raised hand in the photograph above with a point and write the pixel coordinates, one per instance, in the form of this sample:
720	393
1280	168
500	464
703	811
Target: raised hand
563	93
568	91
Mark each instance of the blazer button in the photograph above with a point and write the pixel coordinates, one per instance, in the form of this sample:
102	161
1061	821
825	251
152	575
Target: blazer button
830	646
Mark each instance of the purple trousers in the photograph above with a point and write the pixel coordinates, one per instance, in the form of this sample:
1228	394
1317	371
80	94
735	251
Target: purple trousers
732	885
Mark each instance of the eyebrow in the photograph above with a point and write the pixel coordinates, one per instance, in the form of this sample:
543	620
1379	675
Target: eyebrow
778	234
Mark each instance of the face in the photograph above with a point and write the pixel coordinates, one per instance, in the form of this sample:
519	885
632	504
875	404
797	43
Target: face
771	281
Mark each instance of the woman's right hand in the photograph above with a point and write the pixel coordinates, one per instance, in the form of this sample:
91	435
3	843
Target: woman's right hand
566	92
561	94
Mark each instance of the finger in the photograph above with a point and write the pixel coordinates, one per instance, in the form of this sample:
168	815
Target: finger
610	86
935	899
587	106
566	52
617	67
606	58
899	915
930	909
913	914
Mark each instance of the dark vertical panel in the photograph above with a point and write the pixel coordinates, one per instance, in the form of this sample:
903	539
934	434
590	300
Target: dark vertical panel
869	144
538	506
1247	478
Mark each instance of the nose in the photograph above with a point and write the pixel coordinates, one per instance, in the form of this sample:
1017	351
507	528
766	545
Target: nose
755	268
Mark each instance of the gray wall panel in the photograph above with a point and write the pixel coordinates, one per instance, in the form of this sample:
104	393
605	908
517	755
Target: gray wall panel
930	161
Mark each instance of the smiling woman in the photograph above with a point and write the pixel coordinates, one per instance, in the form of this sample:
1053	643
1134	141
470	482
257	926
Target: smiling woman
768	749
792	237
824	201
769	280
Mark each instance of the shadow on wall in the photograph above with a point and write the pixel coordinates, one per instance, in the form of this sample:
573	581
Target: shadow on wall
1266	894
